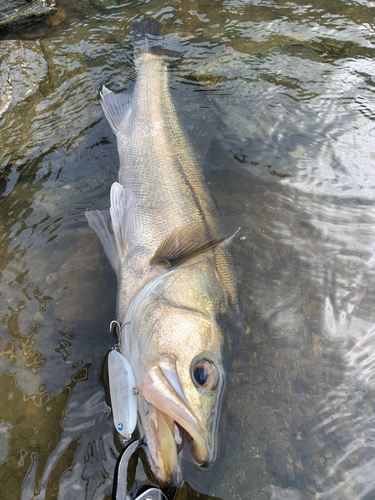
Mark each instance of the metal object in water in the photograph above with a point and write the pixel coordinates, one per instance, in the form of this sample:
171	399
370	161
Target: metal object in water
120	491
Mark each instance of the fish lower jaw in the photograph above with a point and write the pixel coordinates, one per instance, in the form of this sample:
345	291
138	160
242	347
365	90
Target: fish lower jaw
165	440
162	453
163	478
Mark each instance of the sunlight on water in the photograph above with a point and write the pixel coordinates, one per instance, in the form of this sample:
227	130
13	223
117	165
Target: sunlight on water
290	90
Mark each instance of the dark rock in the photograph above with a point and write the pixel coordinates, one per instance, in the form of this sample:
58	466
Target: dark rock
275	462
14	12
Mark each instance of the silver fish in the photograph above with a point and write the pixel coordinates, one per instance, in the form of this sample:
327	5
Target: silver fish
177	300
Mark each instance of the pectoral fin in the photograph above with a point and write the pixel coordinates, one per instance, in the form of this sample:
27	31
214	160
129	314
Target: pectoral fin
112	226
122	206
185	242
99	222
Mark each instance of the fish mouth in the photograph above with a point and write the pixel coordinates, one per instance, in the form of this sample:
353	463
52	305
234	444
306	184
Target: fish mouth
170	423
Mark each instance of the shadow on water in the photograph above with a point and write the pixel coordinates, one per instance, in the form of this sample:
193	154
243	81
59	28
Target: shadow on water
289	88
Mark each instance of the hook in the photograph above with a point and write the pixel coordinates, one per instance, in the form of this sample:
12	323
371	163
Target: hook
137	393
117	330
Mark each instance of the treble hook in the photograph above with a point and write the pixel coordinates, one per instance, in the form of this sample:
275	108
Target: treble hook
116	323
137	393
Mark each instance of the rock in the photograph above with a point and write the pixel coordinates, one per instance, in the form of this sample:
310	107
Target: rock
290	468
14	12
318	460
256	338
22	68
299	465
328	454
313	350
310	488
275	462
58	18
311	307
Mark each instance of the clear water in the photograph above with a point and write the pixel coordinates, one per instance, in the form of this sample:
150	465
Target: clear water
290	89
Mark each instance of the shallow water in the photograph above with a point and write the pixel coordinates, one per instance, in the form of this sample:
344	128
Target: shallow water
290	90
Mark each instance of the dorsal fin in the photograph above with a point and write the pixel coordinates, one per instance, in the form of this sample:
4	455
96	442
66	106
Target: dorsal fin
185	242
115	106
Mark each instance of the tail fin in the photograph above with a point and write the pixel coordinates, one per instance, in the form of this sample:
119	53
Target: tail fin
145	34
144	27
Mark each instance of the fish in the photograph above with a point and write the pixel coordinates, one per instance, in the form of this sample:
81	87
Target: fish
178	305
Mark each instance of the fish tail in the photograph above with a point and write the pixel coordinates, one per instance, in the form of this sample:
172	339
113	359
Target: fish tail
145	35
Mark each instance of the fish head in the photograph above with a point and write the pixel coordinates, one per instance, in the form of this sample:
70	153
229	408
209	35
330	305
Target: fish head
185	345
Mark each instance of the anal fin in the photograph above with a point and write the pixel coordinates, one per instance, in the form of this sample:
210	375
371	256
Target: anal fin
116	107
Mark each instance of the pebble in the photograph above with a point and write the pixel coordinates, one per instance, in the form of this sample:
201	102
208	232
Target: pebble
328	454
51	278
299	465
318	460
310	488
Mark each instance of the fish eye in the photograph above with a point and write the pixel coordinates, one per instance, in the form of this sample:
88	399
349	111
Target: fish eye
205	374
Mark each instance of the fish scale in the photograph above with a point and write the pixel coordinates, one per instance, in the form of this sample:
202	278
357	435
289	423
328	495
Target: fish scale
160	169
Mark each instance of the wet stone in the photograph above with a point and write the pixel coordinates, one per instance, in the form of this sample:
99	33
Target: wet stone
318	460
57	18
299	465
314	444
288	354
311	307
22	68
51	278
315	339
313	351
328	454
256	338
275	463
310	488
290	468
16	12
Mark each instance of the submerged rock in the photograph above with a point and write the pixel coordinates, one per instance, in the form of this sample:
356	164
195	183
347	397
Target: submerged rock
22	67
58	18
20	11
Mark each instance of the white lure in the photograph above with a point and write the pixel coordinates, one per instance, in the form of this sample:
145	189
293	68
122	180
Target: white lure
123	398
